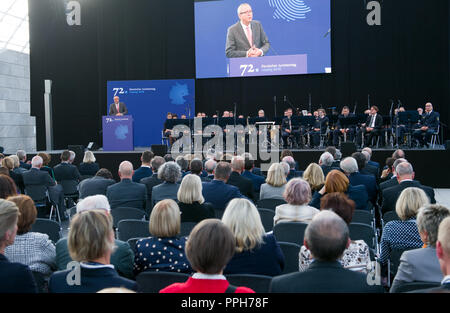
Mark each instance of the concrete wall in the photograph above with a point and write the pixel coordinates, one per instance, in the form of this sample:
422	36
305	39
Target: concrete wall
17	127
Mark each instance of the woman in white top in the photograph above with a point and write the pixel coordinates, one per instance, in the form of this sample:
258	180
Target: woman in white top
356	257
275	183
297	196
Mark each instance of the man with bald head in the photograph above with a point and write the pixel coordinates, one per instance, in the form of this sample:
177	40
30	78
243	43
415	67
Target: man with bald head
127	193
118	108
405	177
327	237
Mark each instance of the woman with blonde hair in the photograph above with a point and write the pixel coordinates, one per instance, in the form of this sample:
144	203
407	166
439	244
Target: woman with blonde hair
314	176
91	243
256	252
88	167
8	163
403	234
275	183
191	202
164	249
337	181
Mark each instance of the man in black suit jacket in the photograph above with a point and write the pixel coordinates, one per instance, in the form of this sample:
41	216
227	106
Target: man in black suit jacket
22	155
153	180
118	108
65	170
393	180
327	237
371	128
126	193
96	185
428	125
245	185
405	177
196	167
145	170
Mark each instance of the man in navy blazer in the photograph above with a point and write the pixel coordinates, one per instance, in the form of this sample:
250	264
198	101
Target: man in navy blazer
22	155
350	168
127	193
96	185
145	170
217	192
257	180
65	170
327	236
428	125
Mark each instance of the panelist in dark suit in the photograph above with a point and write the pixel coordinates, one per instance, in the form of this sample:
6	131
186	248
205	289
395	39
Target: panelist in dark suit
217	192
117	108
14	277
96	185
372	127
405	176
428	125
327	236
126	193
340	130
65	170
246	38
244	184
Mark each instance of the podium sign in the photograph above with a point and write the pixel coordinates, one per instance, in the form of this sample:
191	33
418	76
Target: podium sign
118	133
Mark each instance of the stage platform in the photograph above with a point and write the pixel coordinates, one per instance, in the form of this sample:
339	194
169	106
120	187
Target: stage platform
430	165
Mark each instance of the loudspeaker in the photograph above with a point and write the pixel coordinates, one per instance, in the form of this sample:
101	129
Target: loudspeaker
92	146
347	149
160	150
79	153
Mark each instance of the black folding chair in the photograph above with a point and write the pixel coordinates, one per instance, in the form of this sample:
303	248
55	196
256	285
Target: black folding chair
269	203
132	242
363	217
413	286
394	262
127	229
389	216
153	282
258	283
293	232
291	252
70	188
49	227
186	228
267	218
364	232
120	214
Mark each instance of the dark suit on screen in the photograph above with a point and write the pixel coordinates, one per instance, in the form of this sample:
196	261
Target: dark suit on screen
122	109
237	43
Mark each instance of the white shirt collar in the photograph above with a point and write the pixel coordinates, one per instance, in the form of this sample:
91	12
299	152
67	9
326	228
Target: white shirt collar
146	166
446	280
406	180
208	276
85	265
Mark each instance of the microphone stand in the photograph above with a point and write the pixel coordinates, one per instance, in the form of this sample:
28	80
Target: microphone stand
310	110
235	133
398	121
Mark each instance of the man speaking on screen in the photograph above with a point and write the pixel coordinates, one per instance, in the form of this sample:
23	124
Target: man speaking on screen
118	108
246	38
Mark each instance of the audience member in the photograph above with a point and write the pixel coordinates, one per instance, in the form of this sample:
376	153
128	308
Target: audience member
169	173
256	252
196	167
153	180
373	163
210	166
403	233
244	184
88	167
350	168
46	158
183	163
126	193
30	248
7	187
292	172
336	181
164	250
217	192
405	178
191	202
22	155
387	172
96	185
297	196
393	181
356	256
399	154
275	183
145	170
326	163
210	246
8	163
257	180
422	264
65	170
314	176
327	237
90	242
14	277
17	168
362	159
122	257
